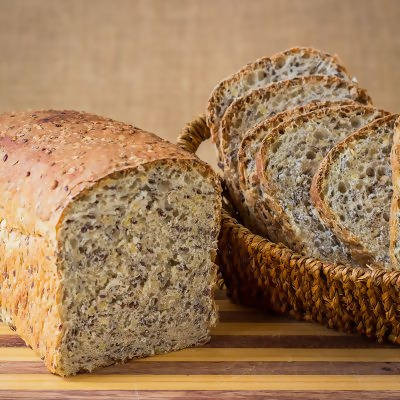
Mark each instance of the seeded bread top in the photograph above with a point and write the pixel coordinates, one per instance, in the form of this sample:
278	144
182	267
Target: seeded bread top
49	157
298	61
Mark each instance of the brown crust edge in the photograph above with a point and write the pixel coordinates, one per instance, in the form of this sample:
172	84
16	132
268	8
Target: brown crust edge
394	208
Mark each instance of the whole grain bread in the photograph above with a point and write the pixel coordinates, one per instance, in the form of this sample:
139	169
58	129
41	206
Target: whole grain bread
352	191
286	163
261	104
294	62
394	220
108	236
248	178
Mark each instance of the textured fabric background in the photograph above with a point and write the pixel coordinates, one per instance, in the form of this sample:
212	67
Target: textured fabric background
154	62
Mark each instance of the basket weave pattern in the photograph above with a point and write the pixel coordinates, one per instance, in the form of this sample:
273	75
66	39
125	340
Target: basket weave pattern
269	276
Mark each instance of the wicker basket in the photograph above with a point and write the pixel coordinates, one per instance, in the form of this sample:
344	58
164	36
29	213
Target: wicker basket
269	276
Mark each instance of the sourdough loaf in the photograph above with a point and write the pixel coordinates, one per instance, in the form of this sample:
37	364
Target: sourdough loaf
286	163
394	219
108	236
261	104
248	178
282	66
352	191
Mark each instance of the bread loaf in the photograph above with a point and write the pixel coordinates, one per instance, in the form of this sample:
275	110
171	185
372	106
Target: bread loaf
286	163
394	220
261	104
352	191
108	236
248	178
289	64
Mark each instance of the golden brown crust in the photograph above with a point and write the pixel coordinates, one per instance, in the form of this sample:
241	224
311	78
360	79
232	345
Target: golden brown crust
50	158
394	229
359	252
394	209
264	63
37	322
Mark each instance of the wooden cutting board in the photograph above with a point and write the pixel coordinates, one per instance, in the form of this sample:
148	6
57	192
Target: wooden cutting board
251	355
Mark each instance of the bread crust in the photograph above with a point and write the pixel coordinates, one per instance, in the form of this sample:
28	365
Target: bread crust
281	225
260	96
394	209
394	228
28	272
50	159
359	252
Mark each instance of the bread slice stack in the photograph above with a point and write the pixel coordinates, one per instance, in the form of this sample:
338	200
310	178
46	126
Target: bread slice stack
306	158
261	104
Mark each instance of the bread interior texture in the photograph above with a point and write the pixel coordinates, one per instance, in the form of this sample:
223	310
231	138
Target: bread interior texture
292	161
136	263
359	190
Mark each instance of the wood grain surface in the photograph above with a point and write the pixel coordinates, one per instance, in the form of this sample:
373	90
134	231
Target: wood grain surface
155	62
251	355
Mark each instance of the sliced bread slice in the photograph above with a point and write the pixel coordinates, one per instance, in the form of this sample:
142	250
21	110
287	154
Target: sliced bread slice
352	190
248	178
299	61
264	103
286	163
395	208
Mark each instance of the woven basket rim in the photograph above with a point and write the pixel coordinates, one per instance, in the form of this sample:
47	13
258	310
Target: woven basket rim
190	138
